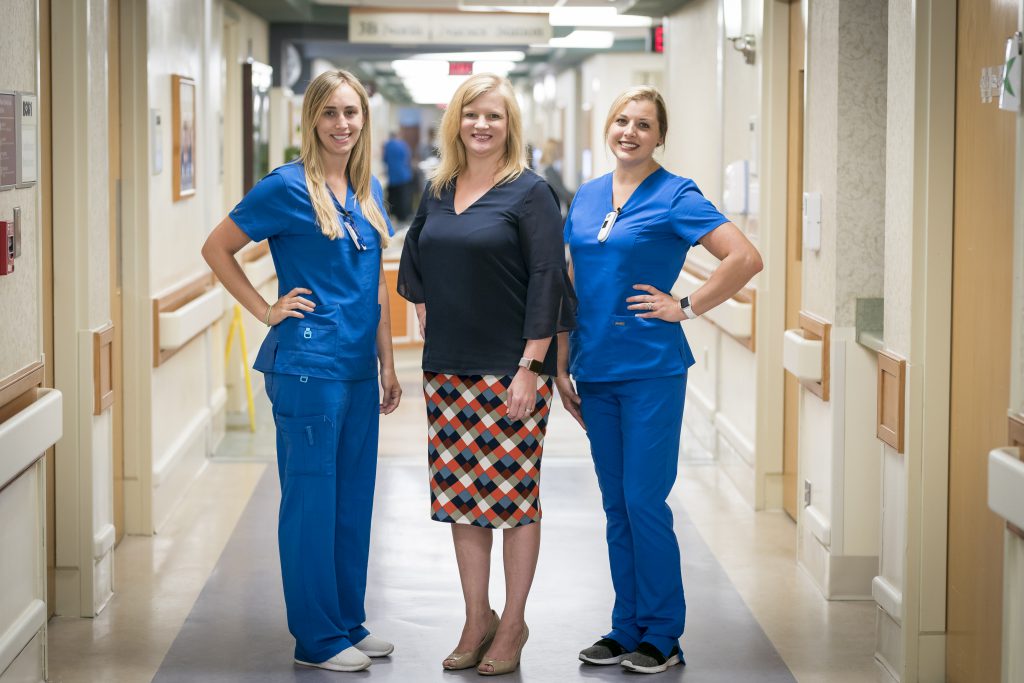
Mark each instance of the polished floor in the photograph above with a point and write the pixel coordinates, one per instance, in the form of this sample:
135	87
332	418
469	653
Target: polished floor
201	601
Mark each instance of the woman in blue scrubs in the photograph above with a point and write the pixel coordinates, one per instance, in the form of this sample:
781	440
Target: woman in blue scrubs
628	234
324	220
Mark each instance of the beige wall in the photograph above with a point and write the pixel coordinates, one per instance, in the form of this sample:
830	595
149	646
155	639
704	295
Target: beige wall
845	133
694	144
603	77
186	37
21	292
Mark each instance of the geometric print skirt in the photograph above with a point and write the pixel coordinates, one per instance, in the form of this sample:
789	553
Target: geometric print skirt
484	469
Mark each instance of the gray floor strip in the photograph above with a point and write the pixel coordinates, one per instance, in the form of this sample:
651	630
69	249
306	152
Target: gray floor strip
236	630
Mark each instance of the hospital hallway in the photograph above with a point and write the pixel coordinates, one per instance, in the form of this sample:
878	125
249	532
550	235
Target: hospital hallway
203	599
831	217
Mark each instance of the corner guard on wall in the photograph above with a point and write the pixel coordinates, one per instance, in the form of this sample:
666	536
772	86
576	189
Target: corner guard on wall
892	388
805	354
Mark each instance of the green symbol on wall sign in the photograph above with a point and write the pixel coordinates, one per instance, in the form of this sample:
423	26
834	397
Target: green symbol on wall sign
1006	79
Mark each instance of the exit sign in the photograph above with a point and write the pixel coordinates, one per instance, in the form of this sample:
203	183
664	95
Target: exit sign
658	39
460	68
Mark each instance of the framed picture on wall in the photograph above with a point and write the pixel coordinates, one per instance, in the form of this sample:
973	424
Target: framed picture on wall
183	131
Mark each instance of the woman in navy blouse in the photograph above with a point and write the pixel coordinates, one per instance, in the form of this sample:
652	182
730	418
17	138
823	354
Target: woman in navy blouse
484	263
628	234
324	220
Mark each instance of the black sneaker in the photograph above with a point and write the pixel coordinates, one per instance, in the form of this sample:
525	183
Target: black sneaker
604	652
647	659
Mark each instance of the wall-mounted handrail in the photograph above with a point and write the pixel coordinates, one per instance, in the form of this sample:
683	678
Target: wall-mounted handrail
174	298
735	316
16	384
260	271
25	436
1006	487
805	354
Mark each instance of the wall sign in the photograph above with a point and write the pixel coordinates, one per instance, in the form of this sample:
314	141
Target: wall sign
27	116
8	141
447	28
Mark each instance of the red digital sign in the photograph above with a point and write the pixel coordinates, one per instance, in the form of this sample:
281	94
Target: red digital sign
460	68
658	39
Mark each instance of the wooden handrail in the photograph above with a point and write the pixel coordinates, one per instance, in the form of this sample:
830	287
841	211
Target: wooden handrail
744	296
16	385
747	295
172	300
1016	434
817	328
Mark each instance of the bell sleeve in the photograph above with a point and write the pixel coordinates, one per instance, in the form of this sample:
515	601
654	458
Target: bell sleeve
410	279
550	299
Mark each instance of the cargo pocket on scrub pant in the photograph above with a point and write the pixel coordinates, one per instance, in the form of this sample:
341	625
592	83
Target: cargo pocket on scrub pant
309	444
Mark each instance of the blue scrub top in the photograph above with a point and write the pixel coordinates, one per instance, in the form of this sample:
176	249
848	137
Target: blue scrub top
338	339
662	219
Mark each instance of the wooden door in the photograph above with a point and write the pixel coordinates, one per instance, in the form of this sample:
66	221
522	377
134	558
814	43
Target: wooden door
794	261
980	343
114	143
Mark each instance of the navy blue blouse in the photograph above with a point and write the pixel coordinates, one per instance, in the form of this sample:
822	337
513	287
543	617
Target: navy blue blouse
491	277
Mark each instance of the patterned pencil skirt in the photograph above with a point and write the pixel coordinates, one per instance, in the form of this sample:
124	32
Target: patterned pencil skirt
484	469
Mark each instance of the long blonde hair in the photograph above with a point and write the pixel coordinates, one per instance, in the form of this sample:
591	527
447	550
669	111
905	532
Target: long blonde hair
453	151
358	171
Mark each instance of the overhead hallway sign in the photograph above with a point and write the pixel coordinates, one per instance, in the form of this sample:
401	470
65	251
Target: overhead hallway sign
447	28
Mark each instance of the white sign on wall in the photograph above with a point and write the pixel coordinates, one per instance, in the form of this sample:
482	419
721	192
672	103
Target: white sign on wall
447	28
27	111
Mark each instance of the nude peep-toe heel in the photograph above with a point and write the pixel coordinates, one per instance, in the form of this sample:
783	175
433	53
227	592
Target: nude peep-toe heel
467	660
505	666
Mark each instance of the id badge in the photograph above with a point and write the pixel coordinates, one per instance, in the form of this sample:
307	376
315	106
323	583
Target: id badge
606	225
354	234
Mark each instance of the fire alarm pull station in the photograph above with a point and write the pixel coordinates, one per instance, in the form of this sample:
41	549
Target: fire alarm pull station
7	247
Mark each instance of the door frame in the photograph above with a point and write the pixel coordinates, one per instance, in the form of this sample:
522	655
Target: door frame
926	449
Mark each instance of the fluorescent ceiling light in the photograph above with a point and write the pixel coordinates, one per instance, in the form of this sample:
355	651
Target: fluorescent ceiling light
435	91
419	69
506	56
605	17
594	40
494	67
520	9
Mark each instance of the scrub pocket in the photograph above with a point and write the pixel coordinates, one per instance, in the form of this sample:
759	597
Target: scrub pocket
311	341
308	444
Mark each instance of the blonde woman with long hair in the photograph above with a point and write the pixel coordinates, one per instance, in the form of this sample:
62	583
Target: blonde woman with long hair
484	263
328	345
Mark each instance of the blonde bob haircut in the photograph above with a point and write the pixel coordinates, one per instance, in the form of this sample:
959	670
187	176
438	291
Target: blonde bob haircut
453	151
359	176
640	93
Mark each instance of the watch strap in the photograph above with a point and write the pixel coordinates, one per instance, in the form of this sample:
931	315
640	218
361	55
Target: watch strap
684	304
531	364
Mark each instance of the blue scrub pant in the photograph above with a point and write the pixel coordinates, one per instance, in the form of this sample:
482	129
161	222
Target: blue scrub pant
633	427
327	462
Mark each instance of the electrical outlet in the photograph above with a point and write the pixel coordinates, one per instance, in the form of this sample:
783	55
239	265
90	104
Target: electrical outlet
807	492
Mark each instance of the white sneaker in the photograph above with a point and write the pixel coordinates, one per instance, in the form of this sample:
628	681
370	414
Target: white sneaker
372	646
349	659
